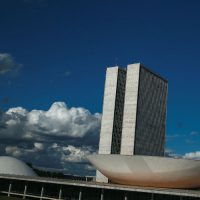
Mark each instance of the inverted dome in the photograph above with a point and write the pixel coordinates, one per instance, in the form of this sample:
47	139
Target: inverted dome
13	166
149	171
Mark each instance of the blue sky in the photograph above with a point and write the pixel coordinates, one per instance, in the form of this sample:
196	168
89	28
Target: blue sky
58	51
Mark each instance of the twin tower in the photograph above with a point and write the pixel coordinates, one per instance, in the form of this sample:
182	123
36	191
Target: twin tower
134	113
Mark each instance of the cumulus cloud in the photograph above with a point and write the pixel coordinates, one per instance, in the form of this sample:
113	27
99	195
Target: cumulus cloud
171	153
59	137
168	152
8	64
193	155
69	158
59	120
76	154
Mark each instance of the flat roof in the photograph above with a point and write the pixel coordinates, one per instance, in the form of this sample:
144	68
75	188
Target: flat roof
111	186
154	73
143	66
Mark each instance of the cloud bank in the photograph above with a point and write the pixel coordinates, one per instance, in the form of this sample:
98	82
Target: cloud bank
60	137
193	155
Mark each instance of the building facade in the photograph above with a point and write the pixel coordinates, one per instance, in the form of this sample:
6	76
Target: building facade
134	113
112	119
59	189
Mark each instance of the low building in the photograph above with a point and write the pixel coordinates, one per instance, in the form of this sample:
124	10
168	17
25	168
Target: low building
57	189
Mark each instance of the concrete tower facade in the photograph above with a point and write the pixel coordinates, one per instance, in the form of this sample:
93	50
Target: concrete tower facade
134	113
113	105
112	119
144	117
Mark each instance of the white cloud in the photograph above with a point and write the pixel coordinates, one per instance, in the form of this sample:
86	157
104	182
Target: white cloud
59	137
193	155
62	121
13	150
171	153
38	146
59	120
16	151
54	155
17	110
168	151
8	64
75	154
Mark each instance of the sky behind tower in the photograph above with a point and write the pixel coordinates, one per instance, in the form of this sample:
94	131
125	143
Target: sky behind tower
53	57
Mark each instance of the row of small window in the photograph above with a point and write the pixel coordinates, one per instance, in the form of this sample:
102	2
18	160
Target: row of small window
150	128
150	75
155	96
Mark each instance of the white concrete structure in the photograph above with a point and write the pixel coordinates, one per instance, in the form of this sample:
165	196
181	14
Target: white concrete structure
134	113
108	110
144	117
130	109
151	171
111	124
13	166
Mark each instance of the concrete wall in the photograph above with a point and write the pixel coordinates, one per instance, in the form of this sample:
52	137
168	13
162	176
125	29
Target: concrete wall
105	141
108	111
113	106
130	109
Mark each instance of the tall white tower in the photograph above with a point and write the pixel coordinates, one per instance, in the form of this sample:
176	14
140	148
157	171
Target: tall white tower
134	113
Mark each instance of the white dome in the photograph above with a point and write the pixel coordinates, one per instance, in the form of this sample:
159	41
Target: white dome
13	166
